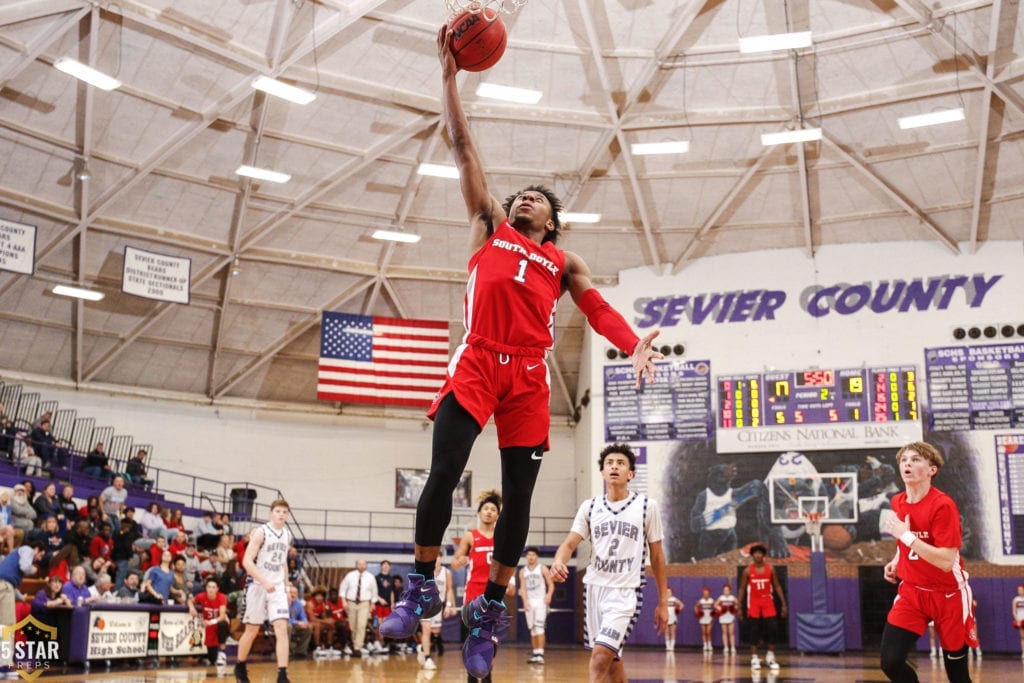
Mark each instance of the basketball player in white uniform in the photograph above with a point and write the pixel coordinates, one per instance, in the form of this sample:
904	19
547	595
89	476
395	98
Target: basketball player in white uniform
537	589
432	626
266	589
622	526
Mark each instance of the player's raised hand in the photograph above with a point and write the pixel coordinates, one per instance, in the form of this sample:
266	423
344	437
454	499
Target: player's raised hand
444	51
643	358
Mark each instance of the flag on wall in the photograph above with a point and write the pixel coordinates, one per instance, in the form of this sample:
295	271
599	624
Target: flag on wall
388	361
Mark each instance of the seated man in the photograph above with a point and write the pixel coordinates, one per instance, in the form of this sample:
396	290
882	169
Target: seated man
299	630
135	469
76	590
97	465
322	621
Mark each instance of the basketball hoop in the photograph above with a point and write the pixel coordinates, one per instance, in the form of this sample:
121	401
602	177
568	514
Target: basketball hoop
490	8
812	525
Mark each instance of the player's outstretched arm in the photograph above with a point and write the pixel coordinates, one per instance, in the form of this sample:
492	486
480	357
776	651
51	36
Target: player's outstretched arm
485	212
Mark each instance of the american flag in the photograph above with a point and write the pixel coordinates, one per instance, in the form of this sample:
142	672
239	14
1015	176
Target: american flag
389	361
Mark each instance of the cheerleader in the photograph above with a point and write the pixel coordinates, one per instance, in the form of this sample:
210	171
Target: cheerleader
675	606
704	610
1017	607
725	607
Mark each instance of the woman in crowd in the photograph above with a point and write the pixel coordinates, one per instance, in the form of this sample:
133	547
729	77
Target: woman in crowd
47	504
156	584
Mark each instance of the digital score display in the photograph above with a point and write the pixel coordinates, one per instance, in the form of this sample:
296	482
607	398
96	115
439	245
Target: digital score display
845	396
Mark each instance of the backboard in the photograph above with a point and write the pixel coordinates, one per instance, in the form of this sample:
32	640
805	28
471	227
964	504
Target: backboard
832	494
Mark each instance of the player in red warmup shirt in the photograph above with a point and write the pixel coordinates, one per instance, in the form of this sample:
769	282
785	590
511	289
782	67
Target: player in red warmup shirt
214	607
932	581
516	276
759	586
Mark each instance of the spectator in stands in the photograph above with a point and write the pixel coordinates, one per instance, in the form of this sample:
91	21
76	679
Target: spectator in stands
68	506
214	608
97	464
113	497
181	590
62	561
80	536
129	514
156	584
46	503
23	515
13	568
6	432
45	444
24	455
225	553
179	545
51	536
299	629
224	521
192	577
207	535
76	590
231	578
103	589
322	622
342	633
140	562
177	520
153	524
10	538
121	551
102	543
90	503
136	470
96	568
157	550
129	590
50	598
45	417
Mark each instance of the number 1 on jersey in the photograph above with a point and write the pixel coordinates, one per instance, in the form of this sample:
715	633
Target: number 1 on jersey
521	275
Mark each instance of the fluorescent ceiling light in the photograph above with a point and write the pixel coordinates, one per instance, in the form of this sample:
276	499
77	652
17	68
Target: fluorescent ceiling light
507	93
776	41
570	217
396	236
263	174
669	147
75	68
77	292
798	135
932	118
272	86
438	171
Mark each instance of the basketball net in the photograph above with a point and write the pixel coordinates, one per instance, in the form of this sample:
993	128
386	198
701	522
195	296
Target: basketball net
812	525
490	8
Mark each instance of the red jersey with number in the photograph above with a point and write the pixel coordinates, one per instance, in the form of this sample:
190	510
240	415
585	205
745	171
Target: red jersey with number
479	565
514	284
759	587
211	610
936	521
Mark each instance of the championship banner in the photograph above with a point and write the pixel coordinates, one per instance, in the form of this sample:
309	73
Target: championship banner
17	247
156	276
117	635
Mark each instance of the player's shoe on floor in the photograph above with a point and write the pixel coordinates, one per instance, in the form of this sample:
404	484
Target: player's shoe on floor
241	673
420	600
486	621
755	663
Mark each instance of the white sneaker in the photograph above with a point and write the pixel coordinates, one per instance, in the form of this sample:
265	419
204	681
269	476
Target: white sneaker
773	665
420	656
222	658
755	663
347	651
364	652
429	664
934	653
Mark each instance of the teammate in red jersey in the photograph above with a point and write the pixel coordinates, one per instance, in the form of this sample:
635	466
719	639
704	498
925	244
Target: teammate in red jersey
932	581
214	607
759	585
516	276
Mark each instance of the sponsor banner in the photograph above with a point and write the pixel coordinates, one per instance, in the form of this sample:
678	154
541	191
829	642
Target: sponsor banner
817	437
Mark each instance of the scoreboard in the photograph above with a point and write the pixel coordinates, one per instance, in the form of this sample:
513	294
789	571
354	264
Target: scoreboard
789	410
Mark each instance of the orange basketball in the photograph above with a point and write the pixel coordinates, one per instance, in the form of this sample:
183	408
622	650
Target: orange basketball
478	40
835	537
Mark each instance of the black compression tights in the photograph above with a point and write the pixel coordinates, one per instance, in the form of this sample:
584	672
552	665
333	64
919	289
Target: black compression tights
897	644
455	430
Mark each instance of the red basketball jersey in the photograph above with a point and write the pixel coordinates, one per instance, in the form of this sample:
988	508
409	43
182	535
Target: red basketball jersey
479	565
759	587
936	521
210	609
514	284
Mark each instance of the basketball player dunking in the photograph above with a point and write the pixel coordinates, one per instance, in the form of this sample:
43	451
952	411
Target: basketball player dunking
516	276
266	595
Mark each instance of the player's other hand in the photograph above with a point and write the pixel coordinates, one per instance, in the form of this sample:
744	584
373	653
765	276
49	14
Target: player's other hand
559	572
643	358
890	572
660	618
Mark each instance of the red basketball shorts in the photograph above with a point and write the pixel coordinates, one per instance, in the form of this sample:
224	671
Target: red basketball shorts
516	390
951	612
761	610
